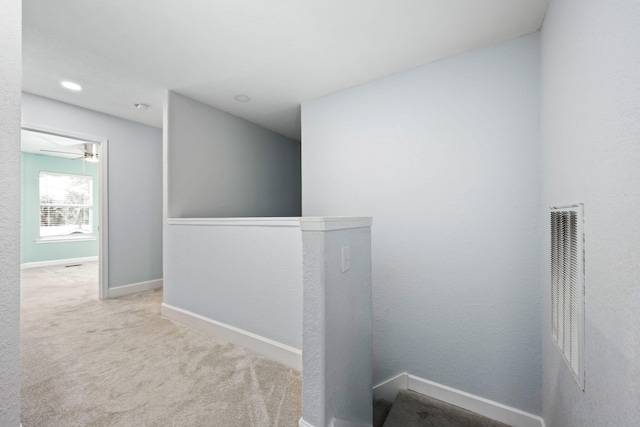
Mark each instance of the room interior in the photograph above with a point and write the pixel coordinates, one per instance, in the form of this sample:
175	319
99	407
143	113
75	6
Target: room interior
41	155
457	155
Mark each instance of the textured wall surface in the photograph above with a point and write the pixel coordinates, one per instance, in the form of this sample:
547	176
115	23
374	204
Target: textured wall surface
337	357
220	165
32	164
590	82
249	277
446	158
135	184
10	86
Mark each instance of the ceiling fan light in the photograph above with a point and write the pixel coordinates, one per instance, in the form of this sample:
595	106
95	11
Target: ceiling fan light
91	153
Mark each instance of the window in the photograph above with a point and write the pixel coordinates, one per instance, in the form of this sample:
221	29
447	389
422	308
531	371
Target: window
567	286
66	206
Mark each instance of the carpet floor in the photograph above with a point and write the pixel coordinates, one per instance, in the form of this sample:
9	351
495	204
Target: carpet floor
87	362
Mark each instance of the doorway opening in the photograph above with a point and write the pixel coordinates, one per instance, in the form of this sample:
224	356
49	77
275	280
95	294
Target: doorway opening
64	200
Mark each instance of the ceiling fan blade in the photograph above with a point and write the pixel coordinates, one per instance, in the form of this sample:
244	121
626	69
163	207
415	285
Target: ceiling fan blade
62	152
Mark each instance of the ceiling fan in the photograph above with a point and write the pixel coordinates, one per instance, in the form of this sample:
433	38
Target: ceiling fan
90	153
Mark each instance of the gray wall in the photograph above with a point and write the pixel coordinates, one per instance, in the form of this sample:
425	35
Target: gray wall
10	85
590	86
135	184
337	359
220	165
245	275
445	158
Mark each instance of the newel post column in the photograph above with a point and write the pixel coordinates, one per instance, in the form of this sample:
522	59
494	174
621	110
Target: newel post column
337	339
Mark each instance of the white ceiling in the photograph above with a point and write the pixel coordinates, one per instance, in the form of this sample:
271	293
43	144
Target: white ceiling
279	52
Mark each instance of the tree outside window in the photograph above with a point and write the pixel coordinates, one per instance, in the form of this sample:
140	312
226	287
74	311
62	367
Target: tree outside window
66	205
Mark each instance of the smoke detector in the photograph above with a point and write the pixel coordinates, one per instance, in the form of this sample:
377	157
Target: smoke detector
242	98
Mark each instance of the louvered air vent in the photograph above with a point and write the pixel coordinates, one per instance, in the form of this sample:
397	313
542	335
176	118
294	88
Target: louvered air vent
567	286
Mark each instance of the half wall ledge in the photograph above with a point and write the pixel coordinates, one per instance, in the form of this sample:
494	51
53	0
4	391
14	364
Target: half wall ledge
238	222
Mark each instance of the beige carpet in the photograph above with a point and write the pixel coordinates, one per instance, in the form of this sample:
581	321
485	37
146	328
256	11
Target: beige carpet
87	362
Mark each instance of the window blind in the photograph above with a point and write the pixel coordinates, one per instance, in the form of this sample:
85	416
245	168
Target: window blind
66	205
567	286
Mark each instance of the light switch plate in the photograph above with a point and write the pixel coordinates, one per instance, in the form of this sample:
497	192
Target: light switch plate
346	258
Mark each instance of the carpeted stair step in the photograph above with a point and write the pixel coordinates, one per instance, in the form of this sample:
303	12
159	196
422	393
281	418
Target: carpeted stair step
412	409
381	409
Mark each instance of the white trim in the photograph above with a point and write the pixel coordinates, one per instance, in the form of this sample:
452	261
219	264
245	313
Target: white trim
54	262
305	223
567	206
479	405
134	288
333	223
494	410
103	219
272	349
343	423
63	133
334	423
238	222
64	239
389	389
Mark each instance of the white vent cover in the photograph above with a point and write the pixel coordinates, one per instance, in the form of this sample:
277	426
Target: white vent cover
567	286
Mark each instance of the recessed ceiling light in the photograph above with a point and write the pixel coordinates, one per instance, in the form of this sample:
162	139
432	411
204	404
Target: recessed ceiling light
242	98
141	106
71	86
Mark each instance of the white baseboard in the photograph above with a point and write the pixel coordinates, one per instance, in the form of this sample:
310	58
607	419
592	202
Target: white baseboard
497	411
342	423
334	423
272	349
134	288
389	389
55	262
